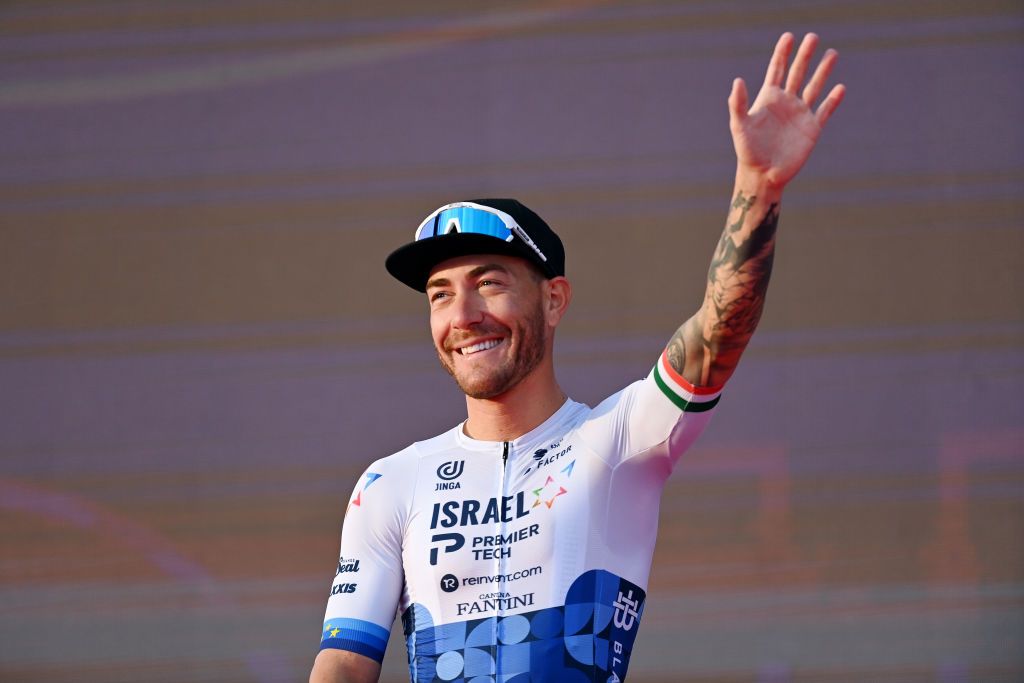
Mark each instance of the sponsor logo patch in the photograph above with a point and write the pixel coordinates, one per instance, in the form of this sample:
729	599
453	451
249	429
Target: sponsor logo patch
347	566
451	543
552	489
491	602
626	611
495	546
460	513
502	578
447	472
451	470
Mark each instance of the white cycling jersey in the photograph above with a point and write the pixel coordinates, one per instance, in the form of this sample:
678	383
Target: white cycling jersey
524	560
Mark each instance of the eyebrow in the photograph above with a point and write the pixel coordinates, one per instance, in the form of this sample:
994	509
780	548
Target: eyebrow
475	273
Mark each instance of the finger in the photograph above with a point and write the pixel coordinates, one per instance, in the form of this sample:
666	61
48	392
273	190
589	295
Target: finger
829	104
800	63
738	101
777	65
820	77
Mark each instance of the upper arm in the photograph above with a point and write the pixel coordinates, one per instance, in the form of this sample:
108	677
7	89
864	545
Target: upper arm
661	414
699	355
341	666
367	583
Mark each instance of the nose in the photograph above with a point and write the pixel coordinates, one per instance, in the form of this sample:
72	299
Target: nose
466	311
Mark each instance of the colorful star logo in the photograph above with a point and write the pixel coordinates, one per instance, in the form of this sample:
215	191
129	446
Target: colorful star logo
552	488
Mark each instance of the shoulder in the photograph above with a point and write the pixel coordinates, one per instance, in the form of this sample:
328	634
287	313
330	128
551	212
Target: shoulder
403	466
388	489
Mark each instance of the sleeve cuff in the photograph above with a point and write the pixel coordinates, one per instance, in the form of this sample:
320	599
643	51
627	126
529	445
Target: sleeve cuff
686	396
355	635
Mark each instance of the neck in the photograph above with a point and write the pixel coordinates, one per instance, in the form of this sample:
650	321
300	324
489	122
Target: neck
519	410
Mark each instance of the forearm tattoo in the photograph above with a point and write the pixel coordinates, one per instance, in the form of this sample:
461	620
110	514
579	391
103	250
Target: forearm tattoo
739	272
734	299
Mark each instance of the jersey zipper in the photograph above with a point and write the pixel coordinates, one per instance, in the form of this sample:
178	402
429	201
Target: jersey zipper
498	664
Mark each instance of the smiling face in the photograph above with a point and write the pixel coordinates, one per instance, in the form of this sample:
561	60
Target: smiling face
488	322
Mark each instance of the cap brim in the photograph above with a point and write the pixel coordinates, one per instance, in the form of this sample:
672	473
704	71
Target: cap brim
411	264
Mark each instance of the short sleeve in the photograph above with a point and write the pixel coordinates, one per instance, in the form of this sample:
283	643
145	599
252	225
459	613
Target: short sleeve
368	580
658	416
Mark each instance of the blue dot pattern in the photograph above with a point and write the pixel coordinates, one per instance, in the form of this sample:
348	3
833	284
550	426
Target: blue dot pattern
588	639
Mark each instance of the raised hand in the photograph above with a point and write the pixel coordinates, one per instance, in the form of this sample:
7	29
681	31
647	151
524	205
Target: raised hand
775	137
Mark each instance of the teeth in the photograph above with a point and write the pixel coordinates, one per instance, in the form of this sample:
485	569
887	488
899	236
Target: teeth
482	346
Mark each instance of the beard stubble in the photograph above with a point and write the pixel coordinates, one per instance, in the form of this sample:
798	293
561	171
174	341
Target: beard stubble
532	341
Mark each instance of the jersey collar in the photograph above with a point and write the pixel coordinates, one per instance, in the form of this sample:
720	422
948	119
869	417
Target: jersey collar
553	427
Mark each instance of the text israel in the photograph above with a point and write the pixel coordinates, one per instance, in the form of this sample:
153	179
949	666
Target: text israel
473	512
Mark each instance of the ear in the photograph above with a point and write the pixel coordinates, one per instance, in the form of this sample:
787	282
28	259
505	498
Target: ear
557	295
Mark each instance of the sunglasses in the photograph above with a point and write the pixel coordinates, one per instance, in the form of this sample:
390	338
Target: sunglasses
474	219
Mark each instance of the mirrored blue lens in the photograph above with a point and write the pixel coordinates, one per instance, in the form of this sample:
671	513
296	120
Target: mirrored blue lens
465	219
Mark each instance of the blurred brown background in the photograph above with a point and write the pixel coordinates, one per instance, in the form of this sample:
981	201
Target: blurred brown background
200	349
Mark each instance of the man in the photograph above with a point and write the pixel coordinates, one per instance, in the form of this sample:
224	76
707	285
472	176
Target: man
518	544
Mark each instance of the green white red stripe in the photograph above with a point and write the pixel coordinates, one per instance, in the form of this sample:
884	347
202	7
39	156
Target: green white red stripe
686	396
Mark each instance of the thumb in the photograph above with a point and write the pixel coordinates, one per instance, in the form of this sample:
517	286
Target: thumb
738	101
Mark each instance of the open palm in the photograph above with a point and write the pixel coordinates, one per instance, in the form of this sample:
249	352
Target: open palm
776	135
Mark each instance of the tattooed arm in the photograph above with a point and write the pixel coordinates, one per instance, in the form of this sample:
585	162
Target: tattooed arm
707	347
773	140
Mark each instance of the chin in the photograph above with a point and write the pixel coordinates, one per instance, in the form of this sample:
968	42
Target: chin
485	388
